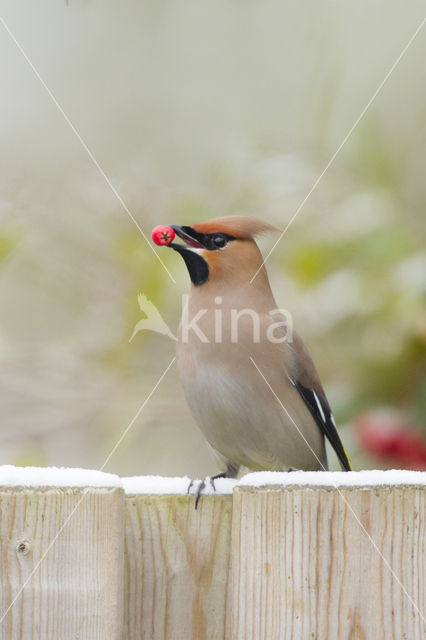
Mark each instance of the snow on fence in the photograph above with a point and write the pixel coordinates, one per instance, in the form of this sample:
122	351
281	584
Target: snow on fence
89	556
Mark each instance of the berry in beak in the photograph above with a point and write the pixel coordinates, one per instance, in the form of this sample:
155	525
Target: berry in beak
163	235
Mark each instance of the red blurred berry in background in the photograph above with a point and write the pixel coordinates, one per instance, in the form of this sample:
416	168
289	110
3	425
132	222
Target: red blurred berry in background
392	439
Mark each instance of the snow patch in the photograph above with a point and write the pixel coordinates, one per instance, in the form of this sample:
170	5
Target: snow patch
335	479
159	485
35	477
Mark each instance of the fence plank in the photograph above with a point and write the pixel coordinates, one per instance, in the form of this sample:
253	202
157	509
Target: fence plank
76	592
177	567
317	563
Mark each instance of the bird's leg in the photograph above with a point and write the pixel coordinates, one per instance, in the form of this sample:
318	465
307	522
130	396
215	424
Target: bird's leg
199	489
218	475
231	472
191	484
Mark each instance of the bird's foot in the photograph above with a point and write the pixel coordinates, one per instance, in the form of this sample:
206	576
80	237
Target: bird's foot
201	485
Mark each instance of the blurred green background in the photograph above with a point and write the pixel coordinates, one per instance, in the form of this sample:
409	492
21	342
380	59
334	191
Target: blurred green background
195	110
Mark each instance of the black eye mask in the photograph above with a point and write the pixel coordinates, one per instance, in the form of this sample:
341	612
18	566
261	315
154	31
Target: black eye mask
210	241
197	266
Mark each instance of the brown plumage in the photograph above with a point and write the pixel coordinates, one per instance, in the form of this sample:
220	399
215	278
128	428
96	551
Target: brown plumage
255	395
241	227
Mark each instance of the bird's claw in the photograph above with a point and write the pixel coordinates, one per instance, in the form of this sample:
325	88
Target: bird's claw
202	485
199	489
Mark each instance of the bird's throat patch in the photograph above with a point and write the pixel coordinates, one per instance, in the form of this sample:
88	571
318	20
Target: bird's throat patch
197	267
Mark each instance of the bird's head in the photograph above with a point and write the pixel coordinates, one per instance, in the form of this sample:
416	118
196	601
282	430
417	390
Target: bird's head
222	248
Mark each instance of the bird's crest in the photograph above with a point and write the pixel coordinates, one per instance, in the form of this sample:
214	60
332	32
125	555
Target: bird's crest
241	227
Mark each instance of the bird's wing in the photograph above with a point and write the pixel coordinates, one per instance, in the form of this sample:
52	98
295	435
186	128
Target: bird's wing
306	381
321	412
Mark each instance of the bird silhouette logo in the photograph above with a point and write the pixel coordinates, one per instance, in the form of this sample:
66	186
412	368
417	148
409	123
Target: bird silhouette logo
153	320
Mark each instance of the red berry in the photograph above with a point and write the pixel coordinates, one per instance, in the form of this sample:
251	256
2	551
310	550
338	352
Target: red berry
163	234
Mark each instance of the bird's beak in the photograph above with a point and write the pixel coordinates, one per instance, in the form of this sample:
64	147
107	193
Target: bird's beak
190	237
191	252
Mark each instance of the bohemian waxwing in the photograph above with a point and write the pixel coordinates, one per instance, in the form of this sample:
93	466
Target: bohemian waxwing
250	383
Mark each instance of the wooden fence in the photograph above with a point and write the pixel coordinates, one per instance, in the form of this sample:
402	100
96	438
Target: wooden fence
268	563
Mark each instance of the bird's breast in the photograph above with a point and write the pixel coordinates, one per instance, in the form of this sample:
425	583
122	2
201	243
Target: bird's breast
238	409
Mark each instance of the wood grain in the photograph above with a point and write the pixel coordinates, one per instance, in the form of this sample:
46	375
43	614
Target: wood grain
317	563
76	592
177	568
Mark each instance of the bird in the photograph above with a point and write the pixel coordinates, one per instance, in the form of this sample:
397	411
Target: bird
252	389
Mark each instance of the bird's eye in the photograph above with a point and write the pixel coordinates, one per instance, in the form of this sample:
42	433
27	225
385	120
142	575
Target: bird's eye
219	241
